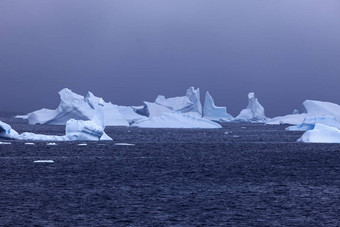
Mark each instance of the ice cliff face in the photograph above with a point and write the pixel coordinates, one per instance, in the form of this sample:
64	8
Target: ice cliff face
7	132
321	134
214	113
254	111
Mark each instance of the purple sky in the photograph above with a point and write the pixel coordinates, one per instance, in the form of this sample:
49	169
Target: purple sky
130	51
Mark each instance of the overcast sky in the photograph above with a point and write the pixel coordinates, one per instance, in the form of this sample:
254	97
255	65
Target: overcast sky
130	51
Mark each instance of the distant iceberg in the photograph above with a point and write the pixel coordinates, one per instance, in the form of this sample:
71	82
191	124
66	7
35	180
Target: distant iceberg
176	120
312	109
254	111
75	130
189	103
74	106
310	122
321	134
214	113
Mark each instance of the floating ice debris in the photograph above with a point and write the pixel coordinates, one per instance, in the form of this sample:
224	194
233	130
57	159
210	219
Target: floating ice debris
228	132
51	144
236	136
243	127
21	116
5	143
82	144
44	161
124	144
29	143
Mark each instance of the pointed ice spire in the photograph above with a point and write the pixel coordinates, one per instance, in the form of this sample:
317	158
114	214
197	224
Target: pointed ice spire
254	111
212	112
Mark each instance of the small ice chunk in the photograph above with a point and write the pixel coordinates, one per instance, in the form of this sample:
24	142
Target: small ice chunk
124	144
82	144
43	161
236	136
5	143
29	143
51	144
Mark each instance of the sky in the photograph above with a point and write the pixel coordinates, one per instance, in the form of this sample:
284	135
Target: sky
130	51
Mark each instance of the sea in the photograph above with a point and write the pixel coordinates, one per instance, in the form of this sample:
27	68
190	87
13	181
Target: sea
239	175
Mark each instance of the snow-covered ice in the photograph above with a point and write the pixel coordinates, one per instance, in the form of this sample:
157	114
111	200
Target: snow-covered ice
254	111
312	109
321	134
189	103
43	161
310	122
74	106
214	113
124	144
6	131
177	120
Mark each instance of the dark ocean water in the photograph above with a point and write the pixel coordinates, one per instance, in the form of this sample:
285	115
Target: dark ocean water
241	175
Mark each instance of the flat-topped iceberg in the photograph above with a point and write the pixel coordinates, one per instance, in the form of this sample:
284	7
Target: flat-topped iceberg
214	113
74	106
176	120
254	111
310	122
312	109
321	134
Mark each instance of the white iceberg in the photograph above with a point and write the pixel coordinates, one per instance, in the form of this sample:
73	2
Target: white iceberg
321	134
153	109
7	132
75	130
310	122
214	113
176	120
74	106
189	103
254	111
312	109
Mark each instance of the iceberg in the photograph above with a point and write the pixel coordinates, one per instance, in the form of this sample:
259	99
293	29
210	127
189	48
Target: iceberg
189	103
152	109
75	130
176	120
214	113
7	132
74	106
254	111
310	122
312	109
321	134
